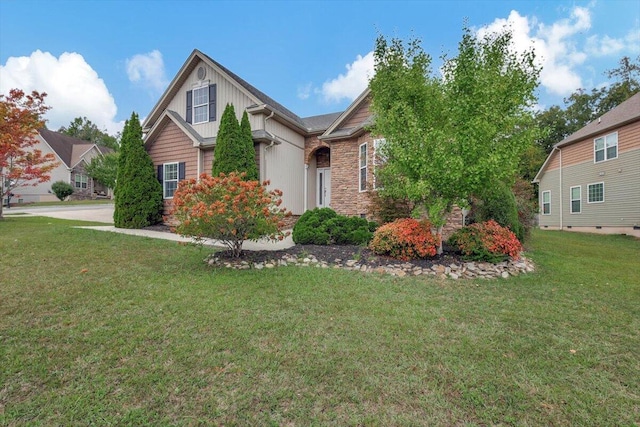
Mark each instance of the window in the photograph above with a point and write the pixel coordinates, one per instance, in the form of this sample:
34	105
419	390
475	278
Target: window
576	199
378	158
81	181
201	105
170	182
595	192
363	167
606	147
546	202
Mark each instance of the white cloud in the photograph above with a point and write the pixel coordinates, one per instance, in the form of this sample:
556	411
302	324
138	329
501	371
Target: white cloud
148	70
74	89
304	91
603	46
350	85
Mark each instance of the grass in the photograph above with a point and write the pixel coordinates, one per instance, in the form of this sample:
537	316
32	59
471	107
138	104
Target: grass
102	328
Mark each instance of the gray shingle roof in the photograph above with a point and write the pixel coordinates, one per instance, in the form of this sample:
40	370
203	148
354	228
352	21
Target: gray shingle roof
321	122
63	144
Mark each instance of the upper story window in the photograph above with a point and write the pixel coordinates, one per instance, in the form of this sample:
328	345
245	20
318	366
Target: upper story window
201	105
362	161
606	147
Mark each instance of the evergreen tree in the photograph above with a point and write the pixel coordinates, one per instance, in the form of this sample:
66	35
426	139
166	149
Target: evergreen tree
250	166
234	146
138	193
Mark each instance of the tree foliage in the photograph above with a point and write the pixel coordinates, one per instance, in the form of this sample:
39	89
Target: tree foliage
447	136
138	194
228	208
20	163
83	128
104	169
234	146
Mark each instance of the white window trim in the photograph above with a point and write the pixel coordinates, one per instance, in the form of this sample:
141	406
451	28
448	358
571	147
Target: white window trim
542	204
360	167
164	177
83	179
604	138
193	104
571	199
603	195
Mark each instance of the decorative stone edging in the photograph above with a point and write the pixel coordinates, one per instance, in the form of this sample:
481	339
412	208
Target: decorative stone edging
467	270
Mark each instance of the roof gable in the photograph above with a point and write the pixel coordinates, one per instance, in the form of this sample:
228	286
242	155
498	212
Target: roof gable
343	126
66	146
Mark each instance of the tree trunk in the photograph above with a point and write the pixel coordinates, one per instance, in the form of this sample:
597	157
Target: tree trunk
437	231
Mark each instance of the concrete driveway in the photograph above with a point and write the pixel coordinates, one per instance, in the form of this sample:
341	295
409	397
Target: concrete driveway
96	213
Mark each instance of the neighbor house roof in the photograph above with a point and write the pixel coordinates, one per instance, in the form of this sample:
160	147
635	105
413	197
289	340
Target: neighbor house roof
69	149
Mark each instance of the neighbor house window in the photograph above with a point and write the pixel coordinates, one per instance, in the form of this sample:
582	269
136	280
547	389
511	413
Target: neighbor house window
170	181
595	192
378	158
81	181
546	202
362	160
576	199
201	105
606	147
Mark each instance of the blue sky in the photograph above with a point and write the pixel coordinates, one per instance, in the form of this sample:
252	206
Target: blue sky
105	59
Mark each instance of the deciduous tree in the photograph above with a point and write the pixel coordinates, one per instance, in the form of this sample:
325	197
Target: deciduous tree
20	163
450	136
104	169
83	128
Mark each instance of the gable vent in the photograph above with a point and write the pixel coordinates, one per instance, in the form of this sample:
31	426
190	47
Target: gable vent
202	72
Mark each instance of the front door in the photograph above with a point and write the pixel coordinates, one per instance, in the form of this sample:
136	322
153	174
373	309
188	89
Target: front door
323	198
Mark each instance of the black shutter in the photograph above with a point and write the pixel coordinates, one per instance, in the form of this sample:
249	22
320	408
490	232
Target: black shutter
212	103
189	106
160	170
181	171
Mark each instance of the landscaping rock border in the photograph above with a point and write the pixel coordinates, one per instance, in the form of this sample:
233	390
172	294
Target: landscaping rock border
466	270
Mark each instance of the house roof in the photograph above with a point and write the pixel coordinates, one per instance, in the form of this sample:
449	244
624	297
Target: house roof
626	112
69	149
320	123
334	131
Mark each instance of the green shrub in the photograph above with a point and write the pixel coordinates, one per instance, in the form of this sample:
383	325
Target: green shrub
62	189
498	203
323	226
486	241
526	203
405	239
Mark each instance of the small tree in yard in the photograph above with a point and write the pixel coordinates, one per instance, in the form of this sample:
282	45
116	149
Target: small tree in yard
138	193
20	163
234	150
447	137
62	190
229	209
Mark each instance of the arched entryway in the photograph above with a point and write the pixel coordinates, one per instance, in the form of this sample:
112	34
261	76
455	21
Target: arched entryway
319	178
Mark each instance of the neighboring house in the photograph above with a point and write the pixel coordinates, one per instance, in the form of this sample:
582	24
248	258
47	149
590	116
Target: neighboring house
591	180
318	161
72	154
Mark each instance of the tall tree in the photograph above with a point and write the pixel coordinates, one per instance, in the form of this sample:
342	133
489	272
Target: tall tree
449	137
20	163
249	165
138	193
83	128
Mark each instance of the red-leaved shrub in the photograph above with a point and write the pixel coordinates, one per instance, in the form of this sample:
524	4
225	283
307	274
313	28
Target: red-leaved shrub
487	241
405	239
229	209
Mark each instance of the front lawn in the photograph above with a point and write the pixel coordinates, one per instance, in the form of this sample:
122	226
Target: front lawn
103	328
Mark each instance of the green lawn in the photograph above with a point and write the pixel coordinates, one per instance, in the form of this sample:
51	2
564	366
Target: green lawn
102	328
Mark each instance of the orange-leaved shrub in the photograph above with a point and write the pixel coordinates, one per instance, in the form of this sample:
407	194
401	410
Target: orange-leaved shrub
487	241
405	239
228	209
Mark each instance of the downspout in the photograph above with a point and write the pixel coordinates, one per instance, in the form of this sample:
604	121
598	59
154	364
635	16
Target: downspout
273	140
305	189
561	199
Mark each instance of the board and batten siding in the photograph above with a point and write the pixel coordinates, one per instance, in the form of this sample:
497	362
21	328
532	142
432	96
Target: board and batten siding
283	166
226	93
286	133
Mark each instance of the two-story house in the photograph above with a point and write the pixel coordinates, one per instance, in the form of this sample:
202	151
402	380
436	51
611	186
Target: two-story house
591	180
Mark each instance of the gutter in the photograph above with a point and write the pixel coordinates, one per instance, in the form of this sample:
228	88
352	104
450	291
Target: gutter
561	199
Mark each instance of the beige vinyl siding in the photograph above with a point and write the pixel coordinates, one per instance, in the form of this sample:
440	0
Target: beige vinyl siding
550	182
621	178
226	93
283	165
286	133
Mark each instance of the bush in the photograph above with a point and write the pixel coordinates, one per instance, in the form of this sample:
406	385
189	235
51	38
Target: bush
526	203
62	189
323	226
229	209
385	208
405	239
498	203
486	241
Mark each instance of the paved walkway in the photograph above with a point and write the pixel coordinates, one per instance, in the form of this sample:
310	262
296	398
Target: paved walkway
104	214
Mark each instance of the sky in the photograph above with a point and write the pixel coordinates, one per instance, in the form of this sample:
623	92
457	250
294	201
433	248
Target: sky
105	59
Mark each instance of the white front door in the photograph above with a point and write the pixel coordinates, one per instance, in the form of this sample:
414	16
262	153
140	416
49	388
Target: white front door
323	197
